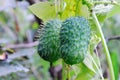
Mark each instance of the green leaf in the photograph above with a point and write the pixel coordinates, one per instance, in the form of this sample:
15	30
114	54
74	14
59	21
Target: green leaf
102	16
115	10
72	10
69	9
85	73
44	10
89	63
58	62
84	11
93	28
115	63
47	10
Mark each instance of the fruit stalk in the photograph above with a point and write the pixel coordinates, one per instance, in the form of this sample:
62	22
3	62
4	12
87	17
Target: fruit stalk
63	70
105	46
68	72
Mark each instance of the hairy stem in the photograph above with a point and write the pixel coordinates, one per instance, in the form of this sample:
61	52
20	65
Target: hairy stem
106	2
105	46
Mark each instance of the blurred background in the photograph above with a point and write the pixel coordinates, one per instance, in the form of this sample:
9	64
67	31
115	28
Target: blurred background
17	28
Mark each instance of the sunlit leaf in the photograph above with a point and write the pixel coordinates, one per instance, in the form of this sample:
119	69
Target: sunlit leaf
85	73
115	10
75	8
102	16
44	10
69	9
84	11
89	63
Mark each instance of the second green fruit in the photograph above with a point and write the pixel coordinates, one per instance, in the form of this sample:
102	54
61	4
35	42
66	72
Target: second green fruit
74	37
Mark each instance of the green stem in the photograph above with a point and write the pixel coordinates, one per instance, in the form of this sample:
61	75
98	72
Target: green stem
77	7
63	70
105	46
68	72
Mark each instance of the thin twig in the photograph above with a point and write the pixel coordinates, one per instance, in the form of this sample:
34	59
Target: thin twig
114	38
28	45
107	40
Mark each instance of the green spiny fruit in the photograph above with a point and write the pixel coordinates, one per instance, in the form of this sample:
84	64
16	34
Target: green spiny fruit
49	41
74	37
